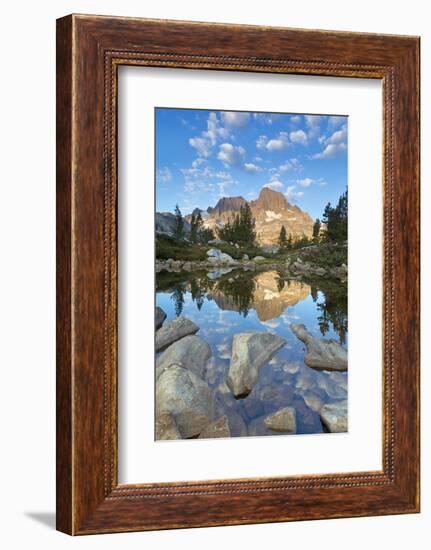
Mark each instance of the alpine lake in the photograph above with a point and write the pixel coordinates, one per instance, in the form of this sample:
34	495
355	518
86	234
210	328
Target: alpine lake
227	301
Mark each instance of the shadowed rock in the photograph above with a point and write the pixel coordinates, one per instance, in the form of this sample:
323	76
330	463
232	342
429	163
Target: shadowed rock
334	416
190	352
160	316
250	351
187	398
173	330
321	353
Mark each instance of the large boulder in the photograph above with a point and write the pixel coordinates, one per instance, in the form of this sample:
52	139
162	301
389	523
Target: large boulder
250	351
219	428
283	420
191	352
159	317
217	273
173	330
218	257
187	398
321	353
334	416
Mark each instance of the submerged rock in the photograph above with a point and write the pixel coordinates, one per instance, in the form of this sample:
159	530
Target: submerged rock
166	427
173	330
159	317
219	428
283	420
334	416
187	398
191	352
321	353
250	351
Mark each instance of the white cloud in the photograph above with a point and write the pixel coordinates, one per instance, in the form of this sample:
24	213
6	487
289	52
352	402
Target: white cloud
209	137
252	168
202	177
291	165
334	121
235	119
331	150
334	144
295	119
313	124
164	175
264	118
306	182
231	155
338	136
202	145
275	144
277	185
299	136
292	195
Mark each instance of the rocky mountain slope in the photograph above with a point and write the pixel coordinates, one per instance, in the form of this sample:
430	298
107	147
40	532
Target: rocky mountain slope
271	211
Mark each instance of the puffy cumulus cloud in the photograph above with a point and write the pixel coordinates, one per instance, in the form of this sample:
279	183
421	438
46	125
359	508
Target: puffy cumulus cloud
331	150
252	168
275	144
208	138
296	119
299	136
235	119
163	175
335	144
231	155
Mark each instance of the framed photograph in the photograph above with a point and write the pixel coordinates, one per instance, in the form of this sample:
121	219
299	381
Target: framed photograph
237	274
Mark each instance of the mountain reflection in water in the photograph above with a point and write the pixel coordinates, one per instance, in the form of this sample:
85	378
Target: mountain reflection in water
265	301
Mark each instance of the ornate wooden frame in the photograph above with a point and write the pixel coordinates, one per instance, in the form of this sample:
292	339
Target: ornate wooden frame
89	51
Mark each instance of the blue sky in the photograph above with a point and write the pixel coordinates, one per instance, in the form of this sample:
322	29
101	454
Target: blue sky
203	155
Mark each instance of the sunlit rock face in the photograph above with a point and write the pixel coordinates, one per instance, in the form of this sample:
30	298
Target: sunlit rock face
271	210
269	298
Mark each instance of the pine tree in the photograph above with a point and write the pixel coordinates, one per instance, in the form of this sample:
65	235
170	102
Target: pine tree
193	229
179	224
316	230
282	239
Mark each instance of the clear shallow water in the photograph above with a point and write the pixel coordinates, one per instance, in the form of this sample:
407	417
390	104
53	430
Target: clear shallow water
265	302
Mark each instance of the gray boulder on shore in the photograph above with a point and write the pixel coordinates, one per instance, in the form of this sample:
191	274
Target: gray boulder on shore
173	330
187	398
250	351
159	317
219	257
191	352
321	353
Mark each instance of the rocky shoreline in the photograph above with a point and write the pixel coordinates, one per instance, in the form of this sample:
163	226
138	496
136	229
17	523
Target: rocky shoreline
221	263
186	406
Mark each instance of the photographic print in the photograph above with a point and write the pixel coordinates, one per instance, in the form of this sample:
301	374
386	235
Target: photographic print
251	241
